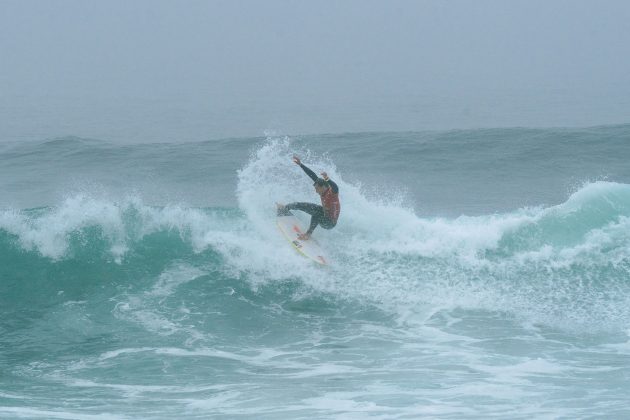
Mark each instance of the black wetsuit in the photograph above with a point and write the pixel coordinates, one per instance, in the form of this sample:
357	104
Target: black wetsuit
318	214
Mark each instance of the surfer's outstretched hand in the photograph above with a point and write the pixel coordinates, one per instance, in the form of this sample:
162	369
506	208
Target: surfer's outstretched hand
296	160
304	236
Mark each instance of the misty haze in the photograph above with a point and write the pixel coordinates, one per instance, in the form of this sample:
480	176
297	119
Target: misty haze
314	210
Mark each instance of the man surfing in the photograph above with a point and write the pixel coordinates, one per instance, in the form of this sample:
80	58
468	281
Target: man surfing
325	215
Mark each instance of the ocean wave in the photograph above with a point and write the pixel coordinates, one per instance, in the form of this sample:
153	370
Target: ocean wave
573	257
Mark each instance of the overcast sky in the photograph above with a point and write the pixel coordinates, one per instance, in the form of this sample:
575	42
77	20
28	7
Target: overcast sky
298	53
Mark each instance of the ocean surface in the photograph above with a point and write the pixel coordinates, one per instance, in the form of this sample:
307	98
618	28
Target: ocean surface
474	274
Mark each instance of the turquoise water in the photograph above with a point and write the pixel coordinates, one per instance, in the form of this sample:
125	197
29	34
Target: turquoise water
475	274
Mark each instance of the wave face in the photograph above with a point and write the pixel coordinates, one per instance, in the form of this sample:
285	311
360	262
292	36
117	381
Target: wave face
176	295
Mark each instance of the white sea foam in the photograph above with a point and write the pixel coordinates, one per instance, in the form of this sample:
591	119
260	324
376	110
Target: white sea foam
381	251
509	262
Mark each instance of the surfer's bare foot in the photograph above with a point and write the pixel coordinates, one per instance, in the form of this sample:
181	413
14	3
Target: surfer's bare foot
304	236
282	210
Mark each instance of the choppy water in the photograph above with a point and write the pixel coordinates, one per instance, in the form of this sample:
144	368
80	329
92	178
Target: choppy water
475	274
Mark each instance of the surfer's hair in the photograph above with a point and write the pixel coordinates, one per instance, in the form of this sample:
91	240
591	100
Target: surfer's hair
319	182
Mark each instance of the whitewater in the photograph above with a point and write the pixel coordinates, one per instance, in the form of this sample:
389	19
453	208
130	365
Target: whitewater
474	274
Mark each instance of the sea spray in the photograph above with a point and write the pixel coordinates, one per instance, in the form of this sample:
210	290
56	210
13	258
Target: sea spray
123	307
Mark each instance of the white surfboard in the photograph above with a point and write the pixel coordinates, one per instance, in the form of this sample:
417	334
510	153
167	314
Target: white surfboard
291	227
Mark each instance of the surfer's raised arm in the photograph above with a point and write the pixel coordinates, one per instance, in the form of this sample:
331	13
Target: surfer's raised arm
330	183
307	170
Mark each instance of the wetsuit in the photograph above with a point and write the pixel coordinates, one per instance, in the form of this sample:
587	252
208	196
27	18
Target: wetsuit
325	215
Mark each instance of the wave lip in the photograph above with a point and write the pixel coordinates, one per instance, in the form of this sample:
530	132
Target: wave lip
82	222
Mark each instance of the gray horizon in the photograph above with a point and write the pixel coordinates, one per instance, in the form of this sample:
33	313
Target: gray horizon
169	71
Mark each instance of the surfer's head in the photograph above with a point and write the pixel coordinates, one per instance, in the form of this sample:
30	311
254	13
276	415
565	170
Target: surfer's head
320	185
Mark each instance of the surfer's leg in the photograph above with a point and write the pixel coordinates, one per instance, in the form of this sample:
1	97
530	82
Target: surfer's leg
326	223
315	220
282	210
309	208
316	212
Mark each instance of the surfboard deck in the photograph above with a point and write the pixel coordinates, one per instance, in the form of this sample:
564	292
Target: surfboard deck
291	227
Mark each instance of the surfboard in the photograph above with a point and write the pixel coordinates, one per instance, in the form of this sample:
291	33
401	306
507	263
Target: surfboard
291	227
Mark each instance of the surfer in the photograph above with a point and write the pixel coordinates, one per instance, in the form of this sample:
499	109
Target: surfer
325	215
